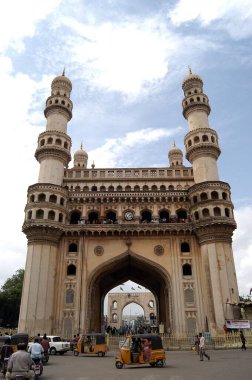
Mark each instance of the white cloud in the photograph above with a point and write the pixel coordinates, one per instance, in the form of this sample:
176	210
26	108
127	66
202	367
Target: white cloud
18	20
235	16
242	247
114	151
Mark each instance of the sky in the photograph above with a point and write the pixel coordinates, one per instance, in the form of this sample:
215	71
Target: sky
126	60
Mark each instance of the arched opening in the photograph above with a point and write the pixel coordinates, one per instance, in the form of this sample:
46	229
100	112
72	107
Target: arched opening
187	270
51	215
41	197
203	196
110	217
53	198
71	270
205	213
73	247
146	216
128	266
133	317
164	216
185	247
75	217
40	214
227	212
217	211
214	195
93	217
181	215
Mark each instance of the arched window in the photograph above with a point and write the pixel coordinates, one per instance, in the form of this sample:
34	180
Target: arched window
110	217
119	188
51	215
57	142
39	214
69	296
145	188
93	217
85	188
151	304
65	145
32	198
53	198
77	188
153	188
195	199
227	212
203	196
204	138
94	188
60	217
185	247
75	217
146	216
205	212
224	195
162	188
137	188
41	197
102	188
217	211
114	318
164	216
171	187
73	247
62	201
71	270
189	142
49	140
187	270
196	215
29	215
114	304
214	195
182	215
127	188
212	139
42	142
111	188
196	139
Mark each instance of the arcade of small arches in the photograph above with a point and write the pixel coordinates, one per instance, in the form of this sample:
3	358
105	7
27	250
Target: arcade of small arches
126	188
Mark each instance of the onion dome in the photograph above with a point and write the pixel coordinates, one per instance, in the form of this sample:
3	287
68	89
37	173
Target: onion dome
175	156
61	84
192	80
80	158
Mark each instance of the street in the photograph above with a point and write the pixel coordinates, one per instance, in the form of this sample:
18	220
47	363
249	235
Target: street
180	365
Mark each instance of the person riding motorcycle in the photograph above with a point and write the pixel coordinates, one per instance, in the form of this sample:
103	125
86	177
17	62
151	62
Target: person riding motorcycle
46	346
36	350
20	363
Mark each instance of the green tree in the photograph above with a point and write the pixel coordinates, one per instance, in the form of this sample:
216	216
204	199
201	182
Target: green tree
10	299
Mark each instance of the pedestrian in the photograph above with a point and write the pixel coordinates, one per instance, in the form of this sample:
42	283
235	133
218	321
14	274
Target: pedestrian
196	344
243	340
202	348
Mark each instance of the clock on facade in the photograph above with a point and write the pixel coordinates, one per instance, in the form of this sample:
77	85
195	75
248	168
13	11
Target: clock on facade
128	215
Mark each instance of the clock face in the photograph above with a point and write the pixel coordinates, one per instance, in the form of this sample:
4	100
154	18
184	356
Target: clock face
128	215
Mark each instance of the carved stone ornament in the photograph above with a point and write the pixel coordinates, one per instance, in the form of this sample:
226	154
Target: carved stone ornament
159	250
99	250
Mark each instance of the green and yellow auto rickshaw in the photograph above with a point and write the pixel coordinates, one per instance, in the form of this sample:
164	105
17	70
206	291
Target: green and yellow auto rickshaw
141	349
92	344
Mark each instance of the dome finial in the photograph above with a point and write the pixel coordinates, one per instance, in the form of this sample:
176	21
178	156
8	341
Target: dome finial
81	145
190	70
63	72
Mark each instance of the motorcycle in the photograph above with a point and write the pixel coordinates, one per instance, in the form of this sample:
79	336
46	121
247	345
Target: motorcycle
37	367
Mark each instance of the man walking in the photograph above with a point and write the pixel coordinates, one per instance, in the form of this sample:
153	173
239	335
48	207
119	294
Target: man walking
202	348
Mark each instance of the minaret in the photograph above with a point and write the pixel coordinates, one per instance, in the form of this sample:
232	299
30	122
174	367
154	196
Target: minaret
175	156
202	149
211	208
46	213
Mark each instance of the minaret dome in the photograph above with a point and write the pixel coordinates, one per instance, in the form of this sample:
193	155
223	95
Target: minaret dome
175	156
80	158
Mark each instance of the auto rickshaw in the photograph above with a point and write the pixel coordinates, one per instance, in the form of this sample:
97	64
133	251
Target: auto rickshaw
91	344
141	349
19	338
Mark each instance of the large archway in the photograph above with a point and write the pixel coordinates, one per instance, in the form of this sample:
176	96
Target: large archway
128	266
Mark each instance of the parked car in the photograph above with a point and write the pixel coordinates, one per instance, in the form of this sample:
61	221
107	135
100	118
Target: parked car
57	345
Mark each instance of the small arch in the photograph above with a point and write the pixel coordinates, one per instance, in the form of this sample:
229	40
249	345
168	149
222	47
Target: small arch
32	198
195	199
94	188
75	217
214	195
63	102
127	188
93	217
154	188
42	142
111	188
212	139
51	215
145	188
114	304
41	197
162	188
62	201
40	214
71	270
189	142
102	188
224	195
72	247
110	217
49	140
114	317
61	217
185	247
182	215
217	211
58	142
227	212
198	99
203	196
65	145
187	269
171	187
191	100
164	216
137	188
196	215
205	138
205	213
56	101
53	198
146	216
196	139
29	215
69	296
85	188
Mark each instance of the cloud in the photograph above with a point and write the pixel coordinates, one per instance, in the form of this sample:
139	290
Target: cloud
242	248
116	150
231	15
18	20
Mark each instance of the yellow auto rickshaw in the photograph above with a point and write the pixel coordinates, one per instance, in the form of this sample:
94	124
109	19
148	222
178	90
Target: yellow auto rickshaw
92	344
141	349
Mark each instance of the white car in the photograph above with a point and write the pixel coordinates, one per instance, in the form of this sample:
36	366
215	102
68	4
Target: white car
57	345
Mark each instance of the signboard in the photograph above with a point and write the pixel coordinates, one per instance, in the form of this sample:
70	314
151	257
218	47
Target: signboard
238	324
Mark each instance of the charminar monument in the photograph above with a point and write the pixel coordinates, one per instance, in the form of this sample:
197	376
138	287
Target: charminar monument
168	229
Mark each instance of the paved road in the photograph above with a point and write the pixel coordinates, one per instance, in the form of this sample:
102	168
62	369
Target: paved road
180	365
